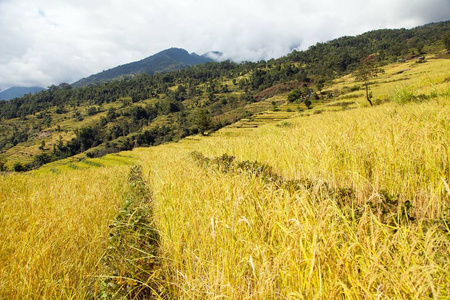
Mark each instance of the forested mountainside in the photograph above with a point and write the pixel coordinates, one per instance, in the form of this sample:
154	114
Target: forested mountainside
151	109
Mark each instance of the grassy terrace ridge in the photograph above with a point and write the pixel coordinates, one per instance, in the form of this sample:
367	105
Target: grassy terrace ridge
342	200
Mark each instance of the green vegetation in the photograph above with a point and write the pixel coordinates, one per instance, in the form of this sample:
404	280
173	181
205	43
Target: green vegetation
153	109
131	261
446	41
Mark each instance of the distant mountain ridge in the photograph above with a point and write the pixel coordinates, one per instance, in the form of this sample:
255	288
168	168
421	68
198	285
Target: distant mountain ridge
165	61
17	92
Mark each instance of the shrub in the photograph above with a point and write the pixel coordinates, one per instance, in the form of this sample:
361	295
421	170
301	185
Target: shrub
18	167
308	103
2	165
406	94
294	95
92	111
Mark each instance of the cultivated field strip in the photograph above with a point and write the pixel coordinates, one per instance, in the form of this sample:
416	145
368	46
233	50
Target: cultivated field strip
54	229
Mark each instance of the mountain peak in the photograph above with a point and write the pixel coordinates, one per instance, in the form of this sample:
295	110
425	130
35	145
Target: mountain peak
174	50
171	59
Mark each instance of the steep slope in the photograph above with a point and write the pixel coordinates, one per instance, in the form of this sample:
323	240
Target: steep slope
343	204
165	61
16	92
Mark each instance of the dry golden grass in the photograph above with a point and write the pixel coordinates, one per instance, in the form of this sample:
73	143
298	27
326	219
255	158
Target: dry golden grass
228	235
231	236
54	229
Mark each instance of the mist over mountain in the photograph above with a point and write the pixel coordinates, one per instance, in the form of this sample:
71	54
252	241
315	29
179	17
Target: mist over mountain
17	92
165	61
214	55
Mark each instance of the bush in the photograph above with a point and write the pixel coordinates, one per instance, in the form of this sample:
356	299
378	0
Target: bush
18	167
92	111
41	160
406	94
294	95
308	103
2	165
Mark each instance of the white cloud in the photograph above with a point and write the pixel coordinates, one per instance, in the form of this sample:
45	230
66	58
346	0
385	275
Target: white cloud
46	42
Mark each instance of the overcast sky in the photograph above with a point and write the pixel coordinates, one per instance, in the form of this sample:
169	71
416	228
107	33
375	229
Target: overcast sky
44	42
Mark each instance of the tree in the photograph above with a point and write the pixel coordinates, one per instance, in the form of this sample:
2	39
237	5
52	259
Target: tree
294	95
41	159
203	121
320	84
297	94
111	115
446	41
367	70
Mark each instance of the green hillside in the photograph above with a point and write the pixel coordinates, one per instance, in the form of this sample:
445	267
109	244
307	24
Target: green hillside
147	110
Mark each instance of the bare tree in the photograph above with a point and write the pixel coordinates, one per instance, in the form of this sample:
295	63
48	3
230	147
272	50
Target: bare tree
367	70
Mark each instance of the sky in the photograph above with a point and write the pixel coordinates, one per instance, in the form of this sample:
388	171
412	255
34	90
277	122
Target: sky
44	42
